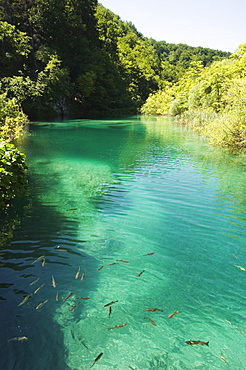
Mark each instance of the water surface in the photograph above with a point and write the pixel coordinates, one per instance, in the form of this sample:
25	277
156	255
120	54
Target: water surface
139	196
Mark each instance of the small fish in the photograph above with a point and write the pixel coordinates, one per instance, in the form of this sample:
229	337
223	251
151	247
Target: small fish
110	311
43	262
224	359
117	326
24	300
60	249
109	304
77	274
100	268
84	345
39	258
83	276
149	254
83	297
72	308
41	304
19	339
68	296
123	261
235	256
57	297
97	358
34	282
41	286
172	314
114	263
140	273
71	209
152	322
53	282
153	309
192	342
240	331
240	267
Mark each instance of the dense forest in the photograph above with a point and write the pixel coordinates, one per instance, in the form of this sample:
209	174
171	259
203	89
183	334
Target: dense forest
209	99
78	59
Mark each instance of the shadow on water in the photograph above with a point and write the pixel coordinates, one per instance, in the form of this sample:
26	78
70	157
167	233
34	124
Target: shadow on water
36	243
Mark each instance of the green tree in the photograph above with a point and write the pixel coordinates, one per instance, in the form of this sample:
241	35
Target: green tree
14	49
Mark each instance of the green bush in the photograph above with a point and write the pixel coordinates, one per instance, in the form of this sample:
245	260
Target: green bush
228	131
12	173
12	118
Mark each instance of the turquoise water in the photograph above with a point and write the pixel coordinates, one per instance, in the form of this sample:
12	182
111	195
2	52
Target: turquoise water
142	190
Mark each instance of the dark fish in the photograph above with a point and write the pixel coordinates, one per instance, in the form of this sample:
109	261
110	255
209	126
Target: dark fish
108	304
19	339
68	296
110	311
41	304
117	326
149	254
123	261
72	308
83	297
192	342
100	268
84	345
152	322
97	358
24	300
114	263
140	273
172	314
71	209
153	309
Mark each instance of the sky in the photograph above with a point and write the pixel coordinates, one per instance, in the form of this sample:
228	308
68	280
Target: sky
214	24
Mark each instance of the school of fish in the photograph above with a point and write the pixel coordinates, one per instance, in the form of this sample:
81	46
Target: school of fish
109	305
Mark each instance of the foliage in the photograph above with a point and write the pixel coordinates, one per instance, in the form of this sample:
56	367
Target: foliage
158	103
12	173
182	55
210	99
78	56
14	48
12	119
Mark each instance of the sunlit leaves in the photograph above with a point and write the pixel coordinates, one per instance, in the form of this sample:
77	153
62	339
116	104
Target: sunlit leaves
14	48
12	119
12	173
